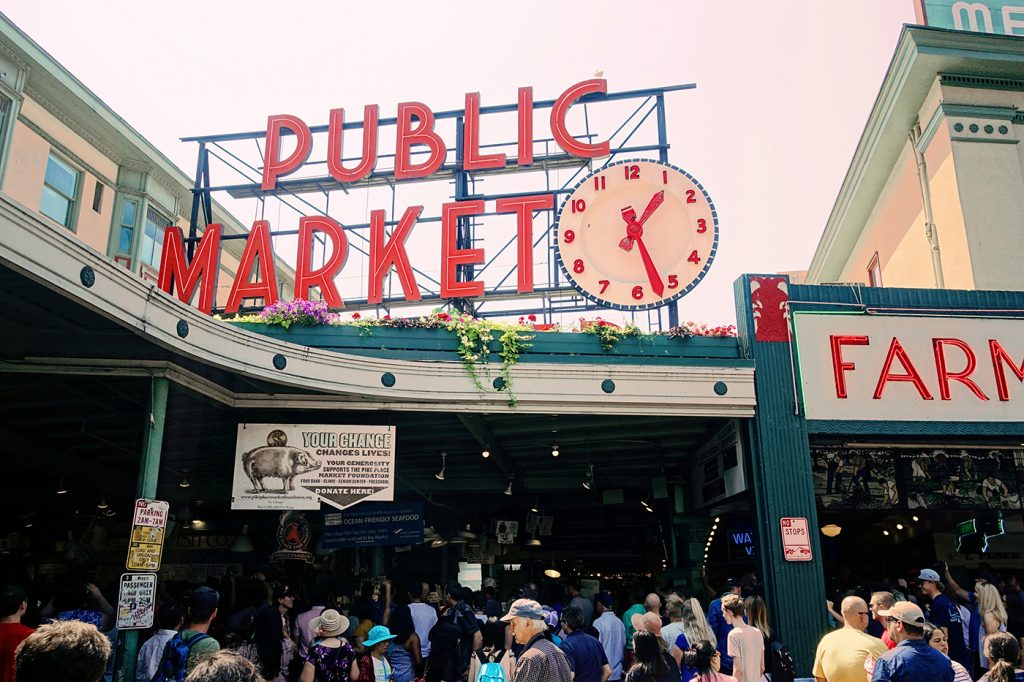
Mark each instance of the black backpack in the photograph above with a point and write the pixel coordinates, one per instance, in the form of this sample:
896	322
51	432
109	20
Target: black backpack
779	661
174	662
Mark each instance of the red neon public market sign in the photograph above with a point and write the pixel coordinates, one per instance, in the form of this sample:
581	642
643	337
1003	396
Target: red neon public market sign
415	126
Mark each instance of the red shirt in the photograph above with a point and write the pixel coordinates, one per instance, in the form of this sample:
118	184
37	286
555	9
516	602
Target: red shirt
11	635
889	641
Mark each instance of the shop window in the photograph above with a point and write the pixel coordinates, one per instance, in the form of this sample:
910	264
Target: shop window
874	272
60	189
153	238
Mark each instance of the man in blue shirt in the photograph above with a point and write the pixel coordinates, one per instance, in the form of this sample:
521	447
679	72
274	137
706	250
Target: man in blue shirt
587	659
721	628
946	614
913	660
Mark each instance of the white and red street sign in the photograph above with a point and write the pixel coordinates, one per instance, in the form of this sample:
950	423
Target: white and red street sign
796	539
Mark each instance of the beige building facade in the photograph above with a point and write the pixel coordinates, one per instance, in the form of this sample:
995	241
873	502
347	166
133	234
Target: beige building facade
934	196
68	157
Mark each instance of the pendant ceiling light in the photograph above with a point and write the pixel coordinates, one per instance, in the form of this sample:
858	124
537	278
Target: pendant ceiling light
554	451
588	483
508	490
444	463
831	530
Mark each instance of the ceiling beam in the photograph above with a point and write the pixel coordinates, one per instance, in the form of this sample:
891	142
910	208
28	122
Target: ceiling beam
478	428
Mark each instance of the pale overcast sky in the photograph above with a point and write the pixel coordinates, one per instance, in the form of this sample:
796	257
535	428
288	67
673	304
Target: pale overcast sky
784	88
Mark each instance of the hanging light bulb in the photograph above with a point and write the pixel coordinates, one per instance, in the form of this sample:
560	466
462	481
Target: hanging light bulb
554	451
103	504
62	489
486	453
508	490
536	504
444	463
899	526
915	519
184	482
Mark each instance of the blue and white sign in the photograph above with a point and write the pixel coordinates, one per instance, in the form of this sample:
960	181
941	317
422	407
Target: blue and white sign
374	525
981	16
740	542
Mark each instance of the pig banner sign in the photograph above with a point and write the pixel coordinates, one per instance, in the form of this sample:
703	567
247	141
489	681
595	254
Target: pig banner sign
297	466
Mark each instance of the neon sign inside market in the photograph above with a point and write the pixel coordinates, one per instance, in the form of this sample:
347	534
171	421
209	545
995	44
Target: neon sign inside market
415	132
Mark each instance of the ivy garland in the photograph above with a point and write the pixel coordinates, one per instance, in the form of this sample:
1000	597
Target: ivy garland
474	336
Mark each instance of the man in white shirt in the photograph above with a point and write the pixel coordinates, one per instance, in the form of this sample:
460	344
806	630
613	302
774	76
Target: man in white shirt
612	634
169	620
424	616
303	620
674	611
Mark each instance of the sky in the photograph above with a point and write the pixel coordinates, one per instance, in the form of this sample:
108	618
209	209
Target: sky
783	88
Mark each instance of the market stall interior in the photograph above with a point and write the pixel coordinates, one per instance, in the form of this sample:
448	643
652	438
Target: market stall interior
613	486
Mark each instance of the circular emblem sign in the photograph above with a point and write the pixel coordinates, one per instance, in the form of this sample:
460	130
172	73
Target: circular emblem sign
637	234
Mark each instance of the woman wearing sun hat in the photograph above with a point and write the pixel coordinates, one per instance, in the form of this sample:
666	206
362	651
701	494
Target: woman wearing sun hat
330	657
374	666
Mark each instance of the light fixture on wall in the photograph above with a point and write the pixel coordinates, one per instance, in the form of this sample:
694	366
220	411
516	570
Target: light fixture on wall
444	463
831	530
554	451
243	543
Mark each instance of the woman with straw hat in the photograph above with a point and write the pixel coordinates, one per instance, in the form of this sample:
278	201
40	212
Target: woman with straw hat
374	666
330	658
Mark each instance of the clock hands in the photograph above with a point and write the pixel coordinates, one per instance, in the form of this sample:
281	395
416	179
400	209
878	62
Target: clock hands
627	242
634	233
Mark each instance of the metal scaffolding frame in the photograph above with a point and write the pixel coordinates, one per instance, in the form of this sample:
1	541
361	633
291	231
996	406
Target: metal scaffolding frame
556	297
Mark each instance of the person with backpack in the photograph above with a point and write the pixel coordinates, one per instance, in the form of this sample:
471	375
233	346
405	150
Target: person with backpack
778	661
493	662
184	650
587	658
169	616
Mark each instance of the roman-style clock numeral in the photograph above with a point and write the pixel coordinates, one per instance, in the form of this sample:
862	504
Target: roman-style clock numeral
664	177
599	182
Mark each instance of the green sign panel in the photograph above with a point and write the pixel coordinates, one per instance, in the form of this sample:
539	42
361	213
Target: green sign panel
1004	17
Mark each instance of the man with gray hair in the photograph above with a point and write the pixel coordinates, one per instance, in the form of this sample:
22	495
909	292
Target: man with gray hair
541	660
841	653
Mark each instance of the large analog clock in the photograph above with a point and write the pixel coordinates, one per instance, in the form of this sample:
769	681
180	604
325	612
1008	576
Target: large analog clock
636	234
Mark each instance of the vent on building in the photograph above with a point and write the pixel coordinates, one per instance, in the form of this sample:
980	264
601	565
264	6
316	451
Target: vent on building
981	82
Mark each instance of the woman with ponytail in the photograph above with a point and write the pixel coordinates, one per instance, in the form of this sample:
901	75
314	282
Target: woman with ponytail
705	659
1003	654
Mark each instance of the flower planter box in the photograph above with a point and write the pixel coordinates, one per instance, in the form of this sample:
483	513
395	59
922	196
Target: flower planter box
441	344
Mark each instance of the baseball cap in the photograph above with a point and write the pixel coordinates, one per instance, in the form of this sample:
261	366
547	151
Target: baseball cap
606	600
332	623
647	621
905	611
929	574
524	608
204	599
732	582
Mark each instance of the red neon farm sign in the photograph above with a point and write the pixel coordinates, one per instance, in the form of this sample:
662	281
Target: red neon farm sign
415	123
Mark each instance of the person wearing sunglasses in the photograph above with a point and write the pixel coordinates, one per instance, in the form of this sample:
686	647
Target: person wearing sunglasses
841	653
913	660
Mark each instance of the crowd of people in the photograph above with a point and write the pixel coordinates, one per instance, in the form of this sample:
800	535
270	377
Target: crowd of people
268	631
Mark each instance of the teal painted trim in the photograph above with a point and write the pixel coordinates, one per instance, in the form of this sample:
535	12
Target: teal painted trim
441	345
985	140
974	111
929	130
780	478
956	80
917	428
907	301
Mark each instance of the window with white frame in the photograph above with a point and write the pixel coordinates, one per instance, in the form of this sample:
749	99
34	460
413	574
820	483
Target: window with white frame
60	190
874	272
126	226
152	241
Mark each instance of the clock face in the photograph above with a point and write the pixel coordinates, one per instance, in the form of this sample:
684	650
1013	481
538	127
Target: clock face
636	234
